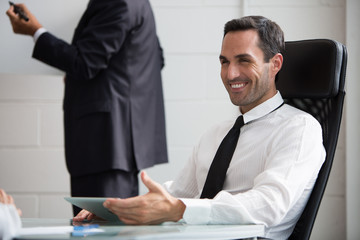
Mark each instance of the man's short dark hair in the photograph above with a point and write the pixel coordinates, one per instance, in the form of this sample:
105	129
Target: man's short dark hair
270	34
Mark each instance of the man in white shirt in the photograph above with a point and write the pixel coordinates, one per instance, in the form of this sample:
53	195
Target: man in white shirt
275	164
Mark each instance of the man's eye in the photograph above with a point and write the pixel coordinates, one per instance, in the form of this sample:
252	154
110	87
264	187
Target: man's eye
245	60
222	62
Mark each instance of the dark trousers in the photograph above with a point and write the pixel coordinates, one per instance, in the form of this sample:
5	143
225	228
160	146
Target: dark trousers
113	183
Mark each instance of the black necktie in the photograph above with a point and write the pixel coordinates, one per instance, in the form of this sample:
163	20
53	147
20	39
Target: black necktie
217	172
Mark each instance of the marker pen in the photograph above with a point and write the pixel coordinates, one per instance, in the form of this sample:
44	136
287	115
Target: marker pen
18	10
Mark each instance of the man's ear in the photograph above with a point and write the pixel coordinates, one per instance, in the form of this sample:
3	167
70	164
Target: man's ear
276	63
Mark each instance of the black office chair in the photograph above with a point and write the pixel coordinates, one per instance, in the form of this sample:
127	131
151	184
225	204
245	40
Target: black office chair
312	79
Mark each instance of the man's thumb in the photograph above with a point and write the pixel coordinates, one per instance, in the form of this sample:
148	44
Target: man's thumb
149	183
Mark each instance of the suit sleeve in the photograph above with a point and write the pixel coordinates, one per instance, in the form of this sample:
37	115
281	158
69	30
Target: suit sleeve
101	38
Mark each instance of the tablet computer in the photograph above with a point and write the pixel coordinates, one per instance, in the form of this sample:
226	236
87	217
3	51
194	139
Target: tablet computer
93	205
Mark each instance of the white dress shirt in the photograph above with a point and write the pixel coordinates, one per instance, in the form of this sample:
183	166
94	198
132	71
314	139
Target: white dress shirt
38	33
271	174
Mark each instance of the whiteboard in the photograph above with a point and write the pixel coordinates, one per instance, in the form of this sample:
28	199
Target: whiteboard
60	17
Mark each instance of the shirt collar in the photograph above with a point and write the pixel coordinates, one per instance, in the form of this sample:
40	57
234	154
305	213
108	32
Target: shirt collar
264	108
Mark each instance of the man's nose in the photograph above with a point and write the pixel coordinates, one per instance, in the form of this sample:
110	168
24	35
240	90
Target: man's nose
233	71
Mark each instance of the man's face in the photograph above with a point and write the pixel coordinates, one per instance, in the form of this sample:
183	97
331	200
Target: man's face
247	78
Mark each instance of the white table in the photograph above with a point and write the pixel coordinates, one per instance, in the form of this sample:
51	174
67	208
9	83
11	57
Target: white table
39	227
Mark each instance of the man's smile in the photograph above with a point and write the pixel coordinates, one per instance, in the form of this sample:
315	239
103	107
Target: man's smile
238	86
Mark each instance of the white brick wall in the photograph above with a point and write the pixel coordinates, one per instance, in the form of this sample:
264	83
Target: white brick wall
32	165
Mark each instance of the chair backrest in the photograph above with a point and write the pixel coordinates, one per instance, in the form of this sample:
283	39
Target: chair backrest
312	79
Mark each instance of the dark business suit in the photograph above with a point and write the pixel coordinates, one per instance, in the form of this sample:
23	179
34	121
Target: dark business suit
113	103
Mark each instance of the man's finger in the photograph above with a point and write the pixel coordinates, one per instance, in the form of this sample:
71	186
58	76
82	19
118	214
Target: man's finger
2	196
19	211
10	12
12	15
10	200
81	216
149	183
114	203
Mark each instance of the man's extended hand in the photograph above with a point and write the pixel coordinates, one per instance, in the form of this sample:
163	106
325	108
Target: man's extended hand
155	207
21	26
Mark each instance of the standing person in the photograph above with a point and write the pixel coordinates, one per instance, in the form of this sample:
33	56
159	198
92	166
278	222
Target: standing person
276	159
113	105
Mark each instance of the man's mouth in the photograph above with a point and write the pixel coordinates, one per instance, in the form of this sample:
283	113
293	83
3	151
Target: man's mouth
237	85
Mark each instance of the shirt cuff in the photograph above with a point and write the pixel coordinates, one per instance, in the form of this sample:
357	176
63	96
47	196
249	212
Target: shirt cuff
38	33
197	211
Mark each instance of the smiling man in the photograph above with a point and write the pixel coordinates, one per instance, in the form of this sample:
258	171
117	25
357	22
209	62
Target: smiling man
247	74
274	164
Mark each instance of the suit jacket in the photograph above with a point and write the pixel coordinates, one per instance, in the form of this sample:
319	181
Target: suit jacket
113	103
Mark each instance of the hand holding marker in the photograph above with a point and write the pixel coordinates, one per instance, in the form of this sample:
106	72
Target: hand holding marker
19	11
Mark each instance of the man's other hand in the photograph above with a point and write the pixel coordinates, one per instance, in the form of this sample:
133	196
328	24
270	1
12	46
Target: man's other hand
21	26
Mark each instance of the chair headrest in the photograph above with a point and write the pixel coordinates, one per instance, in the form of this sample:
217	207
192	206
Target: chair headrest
311	69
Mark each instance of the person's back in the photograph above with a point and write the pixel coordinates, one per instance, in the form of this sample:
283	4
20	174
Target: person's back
114	118
124	78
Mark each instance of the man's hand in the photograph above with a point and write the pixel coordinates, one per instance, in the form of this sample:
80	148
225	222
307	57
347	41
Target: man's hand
84	214
155	207
21	26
